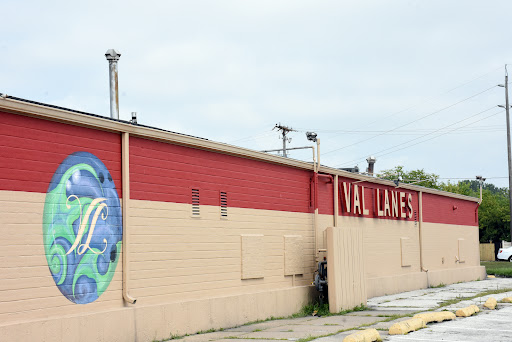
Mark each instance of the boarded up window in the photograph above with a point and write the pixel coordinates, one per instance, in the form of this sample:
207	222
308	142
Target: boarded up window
253	254
461	245
406	251
293	251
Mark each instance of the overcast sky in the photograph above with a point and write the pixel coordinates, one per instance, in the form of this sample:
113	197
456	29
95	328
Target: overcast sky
412	82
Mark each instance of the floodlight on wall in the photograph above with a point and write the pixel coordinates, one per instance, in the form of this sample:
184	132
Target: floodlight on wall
398	180
311	136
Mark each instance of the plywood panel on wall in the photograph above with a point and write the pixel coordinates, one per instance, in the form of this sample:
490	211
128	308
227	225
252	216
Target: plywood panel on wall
253	256
293	255
406	251
462	250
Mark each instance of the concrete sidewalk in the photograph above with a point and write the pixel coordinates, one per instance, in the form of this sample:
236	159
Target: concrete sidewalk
381	314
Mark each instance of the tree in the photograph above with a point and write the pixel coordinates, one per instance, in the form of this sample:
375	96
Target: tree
418	177
493	213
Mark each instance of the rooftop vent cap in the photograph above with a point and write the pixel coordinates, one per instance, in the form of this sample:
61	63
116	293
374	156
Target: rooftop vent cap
112	55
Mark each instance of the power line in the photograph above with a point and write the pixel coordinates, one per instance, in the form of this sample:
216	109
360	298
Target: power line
433	97
410	122
411	131
501	111
427	134
419	103
469	178
252	137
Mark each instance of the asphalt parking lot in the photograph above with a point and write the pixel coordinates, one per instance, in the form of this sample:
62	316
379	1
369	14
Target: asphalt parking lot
385	311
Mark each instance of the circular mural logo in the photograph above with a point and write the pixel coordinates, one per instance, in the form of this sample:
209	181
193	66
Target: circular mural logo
82	227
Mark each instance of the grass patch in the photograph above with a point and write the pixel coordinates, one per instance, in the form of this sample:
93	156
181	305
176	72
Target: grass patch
322	310
206	331
481	294
498	268
437	286
271	318
397	316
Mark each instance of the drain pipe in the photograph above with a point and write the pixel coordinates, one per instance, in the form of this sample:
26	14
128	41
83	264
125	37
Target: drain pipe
126	201
315	218
112	58
420	224
336	204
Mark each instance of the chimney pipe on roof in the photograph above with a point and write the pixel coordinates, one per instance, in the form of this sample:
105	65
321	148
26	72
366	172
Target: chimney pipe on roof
371	162
112	56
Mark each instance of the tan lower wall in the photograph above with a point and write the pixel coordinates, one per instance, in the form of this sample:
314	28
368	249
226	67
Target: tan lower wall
381	286
392	253
163	321
187	272
382	244
441	246
174	257
452	276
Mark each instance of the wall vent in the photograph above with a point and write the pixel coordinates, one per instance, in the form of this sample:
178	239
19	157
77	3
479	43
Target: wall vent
223	204
195	202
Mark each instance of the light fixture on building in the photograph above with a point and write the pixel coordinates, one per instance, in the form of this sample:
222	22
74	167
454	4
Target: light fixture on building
311	136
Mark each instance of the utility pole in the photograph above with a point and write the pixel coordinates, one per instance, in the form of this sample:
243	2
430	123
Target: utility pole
507	107
284	131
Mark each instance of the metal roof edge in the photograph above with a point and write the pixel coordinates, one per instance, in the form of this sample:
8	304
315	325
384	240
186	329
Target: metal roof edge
77	118
59	114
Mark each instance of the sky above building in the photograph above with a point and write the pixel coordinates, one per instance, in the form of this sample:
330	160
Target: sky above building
414	83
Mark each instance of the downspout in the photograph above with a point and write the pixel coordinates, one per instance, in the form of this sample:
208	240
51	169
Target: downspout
125	146
317	179
335	192
315	199
420	224
316	168
315	219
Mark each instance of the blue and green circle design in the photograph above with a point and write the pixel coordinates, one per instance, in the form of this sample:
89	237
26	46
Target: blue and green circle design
82	227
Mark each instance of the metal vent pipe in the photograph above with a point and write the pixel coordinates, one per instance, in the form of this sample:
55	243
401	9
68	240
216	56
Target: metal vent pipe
371	162
113	56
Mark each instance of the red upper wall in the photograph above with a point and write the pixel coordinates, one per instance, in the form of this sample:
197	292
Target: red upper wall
326	193
32	149
441	209
166	172
436	208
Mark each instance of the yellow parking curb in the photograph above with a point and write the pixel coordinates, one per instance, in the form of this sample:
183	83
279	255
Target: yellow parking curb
405	327
491	303
507	300
436	316
466	312
368	335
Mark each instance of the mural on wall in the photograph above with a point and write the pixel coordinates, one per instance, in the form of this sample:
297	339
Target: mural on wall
82	227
